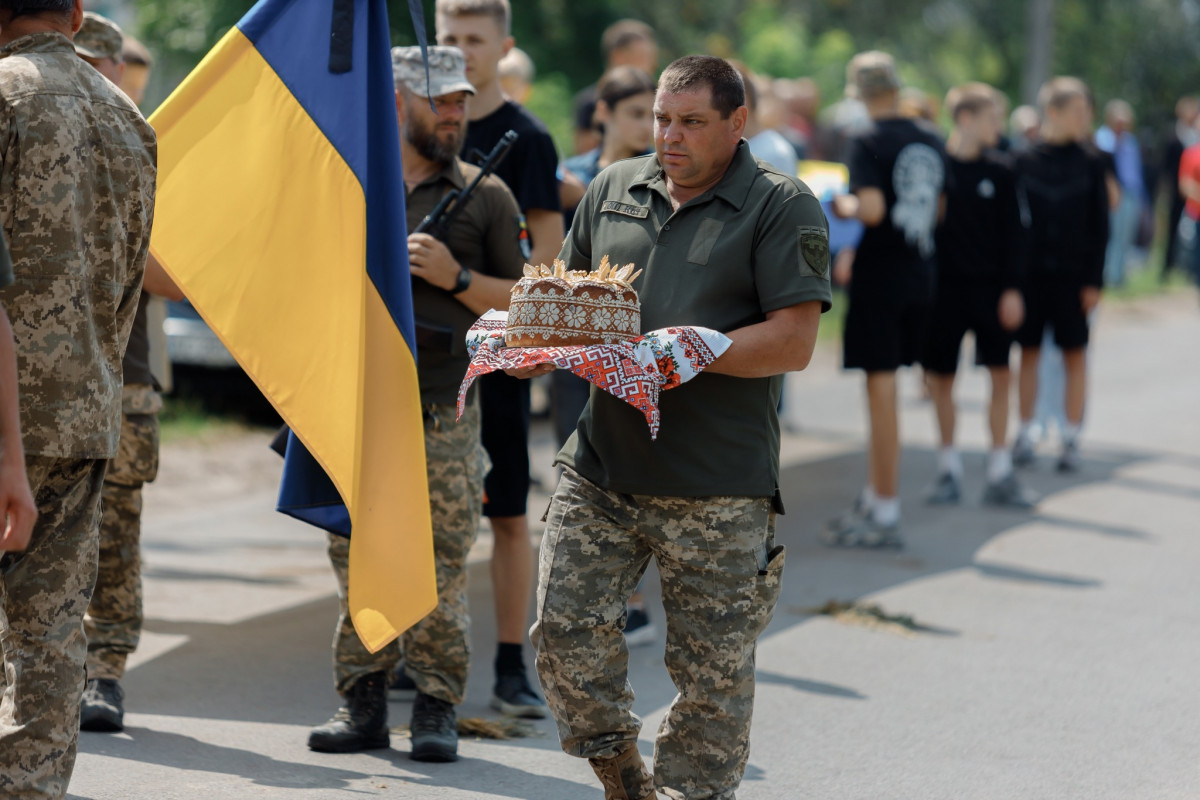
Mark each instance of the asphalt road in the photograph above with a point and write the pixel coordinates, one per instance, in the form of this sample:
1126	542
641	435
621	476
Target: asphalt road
1053	654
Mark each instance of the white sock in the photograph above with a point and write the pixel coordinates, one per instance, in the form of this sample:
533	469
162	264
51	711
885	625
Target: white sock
1070	433
886	511
867	498
950	461
999	464
1025	432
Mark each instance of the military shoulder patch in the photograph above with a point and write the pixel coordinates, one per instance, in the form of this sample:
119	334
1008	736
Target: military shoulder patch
814	248
640	212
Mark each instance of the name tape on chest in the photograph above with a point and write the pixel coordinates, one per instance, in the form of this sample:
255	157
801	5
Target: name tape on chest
639	212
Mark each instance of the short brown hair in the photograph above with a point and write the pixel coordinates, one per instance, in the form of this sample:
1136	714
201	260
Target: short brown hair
499	10
135	53
623	33
621	83
1058	92
691	73
971	98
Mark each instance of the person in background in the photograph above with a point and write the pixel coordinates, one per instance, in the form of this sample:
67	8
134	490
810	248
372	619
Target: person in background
454	281
481	28
1116	138
1023	126
897	179
919	105
625	43
1063	188
978	289
113	623
138	62
516	73
1184	134
1189	187
766	144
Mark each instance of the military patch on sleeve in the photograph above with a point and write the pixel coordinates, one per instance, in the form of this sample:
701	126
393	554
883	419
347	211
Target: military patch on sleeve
523	237
814	247
641	212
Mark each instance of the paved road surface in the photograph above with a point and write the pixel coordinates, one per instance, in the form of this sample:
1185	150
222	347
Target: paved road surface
1057	656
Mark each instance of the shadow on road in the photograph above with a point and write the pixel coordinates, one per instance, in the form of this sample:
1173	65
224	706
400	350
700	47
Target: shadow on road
276	668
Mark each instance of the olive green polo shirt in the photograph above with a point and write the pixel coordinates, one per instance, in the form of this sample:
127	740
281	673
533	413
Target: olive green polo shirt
756	242
484	238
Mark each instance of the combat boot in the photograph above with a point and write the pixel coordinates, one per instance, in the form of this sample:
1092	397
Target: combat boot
101	709
434	730
359	725
624	776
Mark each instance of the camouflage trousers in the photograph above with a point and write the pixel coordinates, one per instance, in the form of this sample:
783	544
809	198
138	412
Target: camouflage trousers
437	649
44	593
720	582
114	620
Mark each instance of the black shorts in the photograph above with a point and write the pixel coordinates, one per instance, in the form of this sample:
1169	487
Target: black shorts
1059	305
504	431
886	325
956	310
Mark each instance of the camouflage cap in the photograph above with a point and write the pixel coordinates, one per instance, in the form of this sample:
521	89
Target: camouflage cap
98	37
447	71
874	74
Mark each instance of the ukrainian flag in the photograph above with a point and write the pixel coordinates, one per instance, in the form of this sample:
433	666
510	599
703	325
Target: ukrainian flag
280	214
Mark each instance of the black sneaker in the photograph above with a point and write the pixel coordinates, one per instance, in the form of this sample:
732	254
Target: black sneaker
1009	493
946	490
361	724
639	629
101	710
512	695
401	689
1068	461
1022	451
434	730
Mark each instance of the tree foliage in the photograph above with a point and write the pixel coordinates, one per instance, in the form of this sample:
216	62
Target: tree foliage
1147	52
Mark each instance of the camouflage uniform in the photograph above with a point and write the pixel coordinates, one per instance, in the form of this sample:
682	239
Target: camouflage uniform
76	202
114	620
437	650
721	577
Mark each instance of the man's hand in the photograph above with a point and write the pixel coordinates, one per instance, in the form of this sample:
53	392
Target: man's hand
1089	298
16	504
1011	310
430	260
531	372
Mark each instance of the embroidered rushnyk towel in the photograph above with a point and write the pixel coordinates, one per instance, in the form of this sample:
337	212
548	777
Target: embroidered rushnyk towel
635	371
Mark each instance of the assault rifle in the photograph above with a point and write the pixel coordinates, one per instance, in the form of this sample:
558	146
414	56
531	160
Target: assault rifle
437	224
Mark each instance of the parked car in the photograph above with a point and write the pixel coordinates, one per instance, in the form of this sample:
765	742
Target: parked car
191	342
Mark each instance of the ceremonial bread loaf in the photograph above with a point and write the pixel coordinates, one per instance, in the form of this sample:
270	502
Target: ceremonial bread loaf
554	307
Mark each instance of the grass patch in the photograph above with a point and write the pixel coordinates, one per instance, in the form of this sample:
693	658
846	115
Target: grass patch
186	418
1148	282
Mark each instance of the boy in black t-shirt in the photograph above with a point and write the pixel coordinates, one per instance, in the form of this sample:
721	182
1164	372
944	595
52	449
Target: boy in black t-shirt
480	28
978	289
1064	200
897	176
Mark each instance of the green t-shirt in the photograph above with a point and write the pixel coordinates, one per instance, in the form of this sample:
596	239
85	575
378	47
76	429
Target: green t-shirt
485	238
755	243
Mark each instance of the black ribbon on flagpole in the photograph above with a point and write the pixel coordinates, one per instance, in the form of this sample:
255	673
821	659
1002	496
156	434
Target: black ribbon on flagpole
341	37
417	12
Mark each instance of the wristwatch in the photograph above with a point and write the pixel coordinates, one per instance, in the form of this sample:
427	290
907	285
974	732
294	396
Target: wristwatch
464	281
